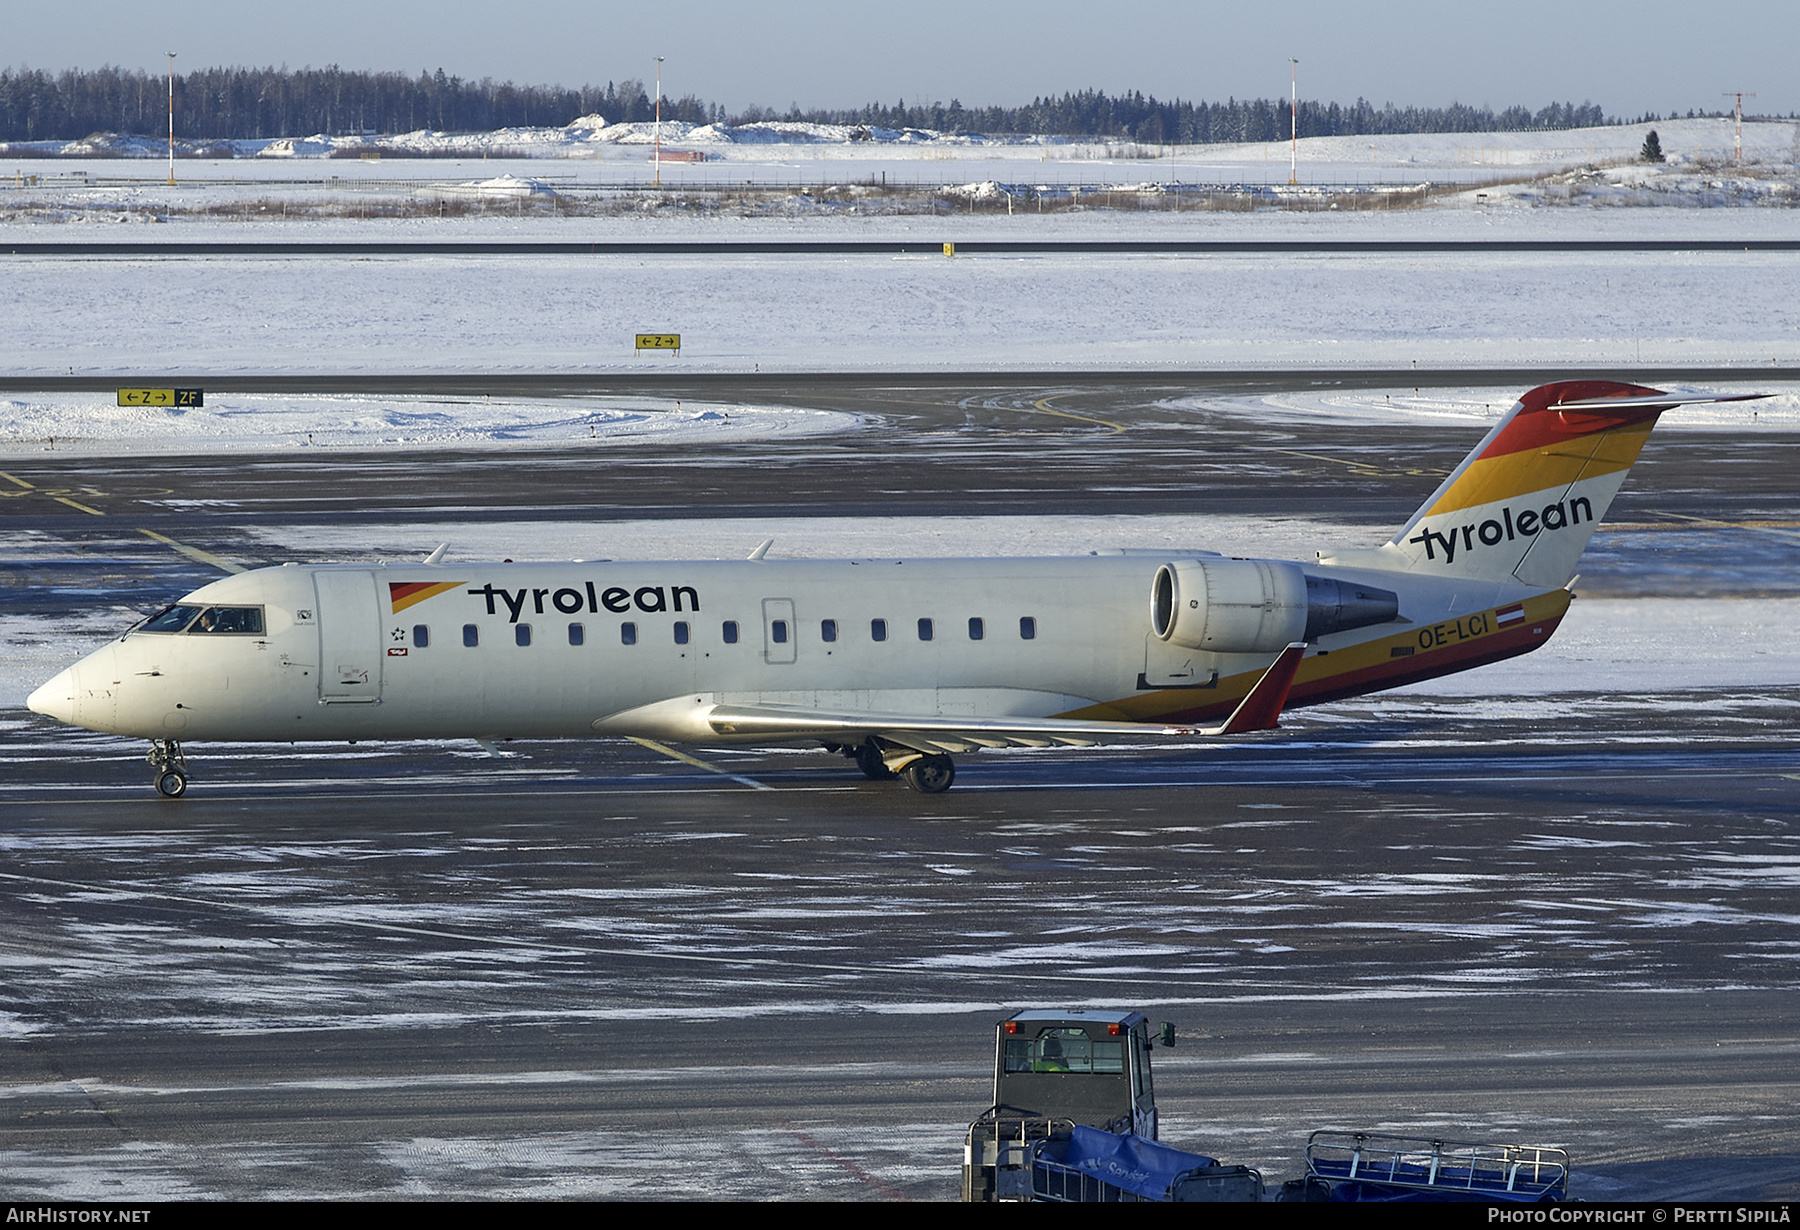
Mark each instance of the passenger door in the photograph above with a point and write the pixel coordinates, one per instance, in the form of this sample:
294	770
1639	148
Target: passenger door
349	638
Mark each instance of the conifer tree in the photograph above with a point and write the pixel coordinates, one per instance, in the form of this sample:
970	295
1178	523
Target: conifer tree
1652	151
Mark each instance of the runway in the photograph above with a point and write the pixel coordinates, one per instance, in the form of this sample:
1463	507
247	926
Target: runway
871	247
587	969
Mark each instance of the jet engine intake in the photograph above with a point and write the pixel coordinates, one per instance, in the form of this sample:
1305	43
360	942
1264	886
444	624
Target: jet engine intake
1257	606
1229	605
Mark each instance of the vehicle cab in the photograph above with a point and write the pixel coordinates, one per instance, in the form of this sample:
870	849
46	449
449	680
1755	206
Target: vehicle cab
1089	1067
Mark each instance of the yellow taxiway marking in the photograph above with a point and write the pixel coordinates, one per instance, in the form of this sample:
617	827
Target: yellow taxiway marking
63	499
698	763
1362	467
1043	406
60	499
1780	528
205	557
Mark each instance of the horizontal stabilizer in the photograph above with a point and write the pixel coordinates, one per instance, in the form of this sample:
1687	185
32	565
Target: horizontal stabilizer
1662	401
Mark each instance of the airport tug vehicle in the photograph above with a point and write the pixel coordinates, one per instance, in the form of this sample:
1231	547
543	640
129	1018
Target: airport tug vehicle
1074	1118
1074	1121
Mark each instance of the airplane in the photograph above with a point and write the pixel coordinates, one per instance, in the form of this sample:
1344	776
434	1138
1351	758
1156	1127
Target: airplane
895	663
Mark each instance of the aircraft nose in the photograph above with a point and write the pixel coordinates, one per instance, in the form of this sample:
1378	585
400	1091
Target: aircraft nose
56	698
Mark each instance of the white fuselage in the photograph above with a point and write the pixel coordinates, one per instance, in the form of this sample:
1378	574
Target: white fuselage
340	654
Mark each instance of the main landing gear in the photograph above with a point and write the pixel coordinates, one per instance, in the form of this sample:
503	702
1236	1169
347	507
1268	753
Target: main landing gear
171	768
926	773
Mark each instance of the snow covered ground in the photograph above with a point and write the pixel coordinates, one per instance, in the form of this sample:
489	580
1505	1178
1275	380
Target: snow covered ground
93	425
774	150
530	171
142	318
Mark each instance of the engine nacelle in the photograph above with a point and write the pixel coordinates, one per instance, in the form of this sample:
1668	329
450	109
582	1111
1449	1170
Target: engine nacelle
1258	605
1229	605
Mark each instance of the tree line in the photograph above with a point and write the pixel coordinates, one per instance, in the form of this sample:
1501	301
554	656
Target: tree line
1137	117
221	103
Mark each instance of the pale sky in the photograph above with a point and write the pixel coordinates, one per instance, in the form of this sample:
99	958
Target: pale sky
1630	57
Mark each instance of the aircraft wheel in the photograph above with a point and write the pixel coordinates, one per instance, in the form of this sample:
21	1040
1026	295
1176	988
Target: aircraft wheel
930	774
171	785
868	759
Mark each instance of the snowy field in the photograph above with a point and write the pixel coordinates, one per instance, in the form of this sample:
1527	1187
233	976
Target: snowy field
587	157
141	318
92	425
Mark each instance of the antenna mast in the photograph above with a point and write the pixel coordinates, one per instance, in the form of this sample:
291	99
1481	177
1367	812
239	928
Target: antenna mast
1737	145
1294	124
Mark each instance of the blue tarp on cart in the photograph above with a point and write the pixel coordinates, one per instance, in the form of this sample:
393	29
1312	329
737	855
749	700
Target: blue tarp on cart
1142	1167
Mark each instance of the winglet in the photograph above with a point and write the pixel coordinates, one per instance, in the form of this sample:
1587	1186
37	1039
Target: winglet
762	549
437	555
1261	710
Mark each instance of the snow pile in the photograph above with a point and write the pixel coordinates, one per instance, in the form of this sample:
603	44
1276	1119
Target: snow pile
499	187
1479	407
89	425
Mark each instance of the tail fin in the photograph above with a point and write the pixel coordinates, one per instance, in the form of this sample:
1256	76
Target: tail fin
1524	504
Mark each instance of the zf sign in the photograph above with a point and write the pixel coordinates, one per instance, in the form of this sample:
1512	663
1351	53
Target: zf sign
162	397
659	341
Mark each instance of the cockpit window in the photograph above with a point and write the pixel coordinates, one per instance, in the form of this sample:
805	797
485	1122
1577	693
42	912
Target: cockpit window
222	620
170	619
214	620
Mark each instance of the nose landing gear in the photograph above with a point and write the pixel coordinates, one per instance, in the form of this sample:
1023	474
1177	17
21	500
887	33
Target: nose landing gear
171	768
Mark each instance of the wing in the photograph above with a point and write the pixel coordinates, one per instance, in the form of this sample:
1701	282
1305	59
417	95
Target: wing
930	733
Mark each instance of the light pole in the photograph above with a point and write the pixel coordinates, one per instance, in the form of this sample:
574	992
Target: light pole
1294	124
171	119
1737	144
656	155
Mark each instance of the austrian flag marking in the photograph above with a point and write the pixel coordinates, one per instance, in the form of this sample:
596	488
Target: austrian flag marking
1509	615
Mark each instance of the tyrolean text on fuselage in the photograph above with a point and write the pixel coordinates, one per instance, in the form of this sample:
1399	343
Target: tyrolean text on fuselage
590	597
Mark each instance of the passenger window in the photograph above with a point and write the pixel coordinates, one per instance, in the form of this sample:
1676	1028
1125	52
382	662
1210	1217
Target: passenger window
924	629
627	634
1027	628
421	636
577	634
730	631
975	628
878	629
522	635
471	636
681	632
828	630
778	631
